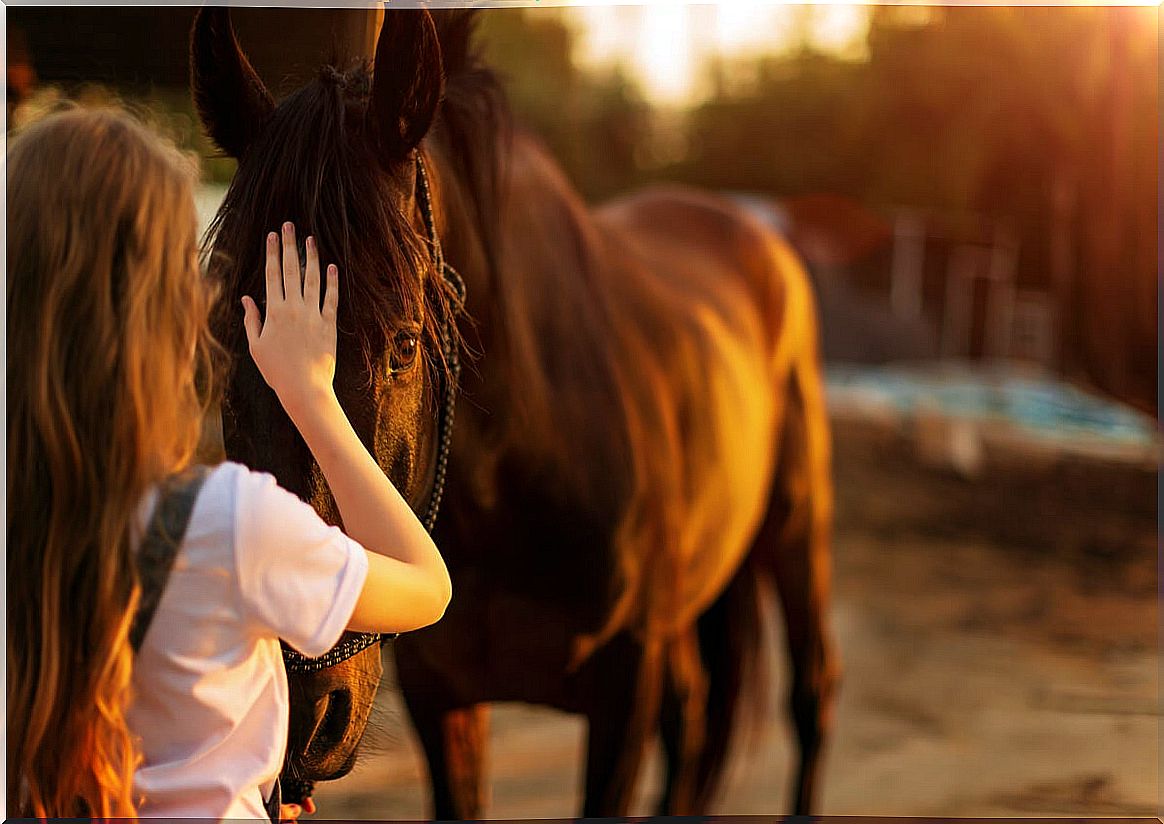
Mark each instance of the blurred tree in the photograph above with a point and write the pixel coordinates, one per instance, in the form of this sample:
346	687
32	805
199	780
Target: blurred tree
1044	119
595	124
789	133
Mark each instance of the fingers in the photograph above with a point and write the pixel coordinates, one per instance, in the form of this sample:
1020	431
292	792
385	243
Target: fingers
251	320
274	270
283	278
292	286
311	277
331	296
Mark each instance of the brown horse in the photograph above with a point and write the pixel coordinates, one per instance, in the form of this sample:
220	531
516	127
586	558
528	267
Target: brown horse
337	158
641	448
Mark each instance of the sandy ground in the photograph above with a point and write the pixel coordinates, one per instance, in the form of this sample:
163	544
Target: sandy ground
999	641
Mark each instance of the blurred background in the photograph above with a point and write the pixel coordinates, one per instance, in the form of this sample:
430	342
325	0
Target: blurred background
974	191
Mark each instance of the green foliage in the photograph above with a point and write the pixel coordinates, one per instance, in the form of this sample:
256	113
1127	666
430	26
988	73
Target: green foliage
954	109
1044	118
176	110
997	111
598	127
169	110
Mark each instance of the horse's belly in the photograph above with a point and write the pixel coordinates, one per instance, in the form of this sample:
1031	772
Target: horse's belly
491	645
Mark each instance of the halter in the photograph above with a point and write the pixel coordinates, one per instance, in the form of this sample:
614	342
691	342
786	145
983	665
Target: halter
359	642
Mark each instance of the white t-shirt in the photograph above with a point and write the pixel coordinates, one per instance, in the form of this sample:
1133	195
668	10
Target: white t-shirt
210	692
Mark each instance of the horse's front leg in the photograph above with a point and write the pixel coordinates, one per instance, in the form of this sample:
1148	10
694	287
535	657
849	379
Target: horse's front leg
455	742
455	737
621	687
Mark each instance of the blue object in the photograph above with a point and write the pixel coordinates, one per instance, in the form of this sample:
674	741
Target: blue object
1041	405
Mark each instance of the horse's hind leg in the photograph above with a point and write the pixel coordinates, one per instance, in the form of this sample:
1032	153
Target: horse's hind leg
683	726
729	650
793	547
620	689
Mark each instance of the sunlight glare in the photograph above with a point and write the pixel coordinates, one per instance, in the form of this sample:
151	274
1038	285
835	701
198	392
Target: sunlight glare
664	53
749	28
605	36
665	44
836	28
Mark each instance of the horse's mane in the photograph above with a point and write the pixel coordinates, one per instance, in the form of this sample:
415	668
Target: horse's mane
554	325
474	123
553	329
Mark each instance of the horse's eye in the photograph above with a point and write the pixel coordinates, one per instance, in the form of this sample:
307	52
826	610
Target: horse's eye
403	355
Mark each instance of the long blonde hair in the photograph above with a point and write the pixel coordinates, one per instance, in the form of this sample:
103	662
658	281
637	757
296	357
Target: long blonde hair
109	358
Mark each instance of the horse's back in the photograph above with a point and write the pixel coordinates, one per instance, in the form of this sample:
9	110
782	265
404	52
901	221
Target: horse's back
704	244
715	307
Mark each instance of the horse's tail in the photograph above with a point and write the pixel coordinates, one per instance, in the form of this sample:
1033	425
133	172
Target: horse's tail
791	553
731	645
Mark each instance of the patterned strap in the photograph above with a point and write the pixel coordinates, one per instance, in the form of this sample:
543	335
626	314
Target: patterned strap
155	557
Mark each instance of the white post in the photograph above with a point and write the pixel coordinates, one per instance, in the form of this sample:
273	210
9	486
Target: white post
957	318
1000	305
909	246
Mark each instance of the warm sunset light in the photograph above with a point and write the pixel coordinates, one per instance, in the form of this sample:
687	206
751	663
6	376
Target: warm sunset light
584	409
665	45
838	28
751	28
662	58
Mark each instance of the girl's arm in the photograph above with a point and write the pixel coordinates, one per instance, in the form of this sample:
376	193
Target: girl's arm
294	347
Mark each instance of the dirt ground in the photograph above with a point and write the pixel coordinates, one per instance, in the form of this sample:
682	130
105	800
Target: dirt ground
999	639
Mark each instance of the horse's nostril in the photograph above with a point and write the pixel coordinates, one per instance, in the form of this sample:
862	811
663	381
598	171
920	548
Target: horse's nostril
332	730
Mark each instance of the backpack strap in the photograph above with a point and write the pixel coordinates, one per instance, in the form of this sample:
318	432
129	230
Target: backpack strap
155	559
159	547
274	804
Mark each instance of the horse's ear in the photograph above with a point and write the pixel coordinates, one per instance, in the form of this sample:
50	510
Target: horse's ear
407	82
232	101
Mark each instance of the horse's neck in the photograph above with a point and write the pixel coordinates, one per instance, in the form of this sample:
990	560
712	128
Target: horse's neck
549	362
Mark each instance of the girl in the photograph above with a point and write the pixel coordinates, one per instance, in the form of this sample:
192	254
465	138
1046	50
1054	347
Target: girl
108	351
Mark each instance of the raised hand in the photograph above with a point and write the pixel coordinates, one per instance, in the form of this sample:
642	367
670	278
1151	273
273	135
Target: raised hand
294	345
